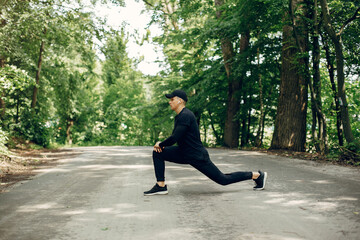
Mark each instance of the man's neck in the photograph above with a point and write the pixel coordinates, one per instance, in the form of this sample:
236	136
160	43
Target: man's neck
179	109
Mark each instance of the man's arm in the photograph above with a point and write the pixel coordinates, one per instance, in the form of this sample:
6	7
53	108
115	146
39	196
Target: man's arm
178	132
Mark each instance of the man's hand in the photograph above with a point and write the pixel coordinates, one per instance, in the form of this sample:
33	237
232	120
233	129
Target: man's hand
157	147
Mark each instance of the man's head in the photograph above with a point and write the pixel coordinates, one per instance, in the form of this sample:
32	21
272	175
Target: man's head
177	93
178	100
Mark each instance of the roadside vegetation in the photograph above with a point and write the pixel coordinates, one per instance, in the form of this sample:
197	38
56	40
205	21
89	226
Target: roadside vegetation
279	76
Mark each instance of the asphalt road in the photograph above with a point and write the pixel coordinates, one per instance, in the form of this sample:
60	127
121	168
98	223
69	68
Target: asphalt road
99	195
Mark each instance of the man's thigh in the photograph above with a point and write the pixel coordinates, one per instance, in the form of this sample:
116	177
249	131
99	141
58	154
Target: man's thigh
173	154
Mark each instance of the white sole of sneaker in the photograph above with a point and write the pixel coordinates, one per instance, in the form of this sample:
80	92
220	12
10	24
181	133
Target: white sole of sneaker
265	177
157	193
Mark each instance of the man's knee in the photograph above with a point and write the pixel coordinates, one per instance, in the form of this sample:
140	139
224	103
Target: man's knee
222	181
156	155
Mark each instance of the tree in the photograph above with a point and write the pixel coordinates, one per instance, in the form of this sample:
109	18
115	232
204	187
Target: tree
123	94
195	52
261	124
38	71
290	124
331	70
319	126
72	72
232	126
14	83
337	41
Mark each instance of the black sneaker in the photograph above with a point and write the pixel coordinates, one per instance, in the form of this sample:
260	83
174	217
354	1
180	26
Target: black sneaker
157	190
260	181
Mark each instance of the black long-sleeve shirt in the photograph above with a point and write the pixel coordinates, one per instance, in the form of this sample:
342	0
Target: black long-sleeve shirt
187	135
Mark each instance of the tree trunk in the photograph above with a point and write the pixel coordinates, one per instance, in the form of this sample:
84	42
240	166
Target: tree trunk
70	123
248	122
232	126
37	78
331	70
244	45
205	131
2	102
318	129
218	140
260	130
231	130
243	120
290	123
2	64
2	106
336	39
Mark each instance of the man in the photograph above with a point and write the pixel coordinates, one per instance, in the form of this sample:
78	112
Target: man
191	151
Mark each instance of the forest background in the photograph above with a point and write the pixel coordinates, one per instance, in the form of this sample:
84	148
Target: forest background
271	74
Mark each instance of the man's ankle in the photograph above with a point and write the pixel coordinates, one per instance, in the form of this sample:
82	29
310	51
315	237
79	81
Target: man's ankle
161	184
255	175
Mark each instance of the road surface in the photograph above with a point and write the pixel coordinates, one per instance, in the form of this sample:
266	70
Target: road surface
99	195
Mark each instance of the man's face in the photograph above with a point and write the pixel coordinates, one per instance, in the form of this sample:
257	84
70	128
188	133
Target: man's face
175	102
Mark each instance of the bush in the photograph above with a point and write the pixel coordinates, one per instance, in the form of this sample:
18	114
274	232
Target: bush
33	128
350	153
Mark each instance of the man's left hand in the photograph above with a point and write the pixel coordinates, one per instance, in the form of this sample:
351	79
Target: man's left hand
157	147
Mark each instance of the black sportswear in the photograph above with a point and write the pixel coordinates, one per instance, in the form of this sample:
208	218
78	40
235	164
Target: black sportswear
187	135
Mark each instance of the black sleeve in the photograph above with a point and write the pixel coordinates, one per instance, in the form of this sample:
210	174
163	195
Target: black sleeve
177	134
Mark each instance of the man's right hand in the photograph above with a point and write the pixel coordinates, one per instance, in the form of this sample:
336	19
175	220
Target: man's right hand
157	147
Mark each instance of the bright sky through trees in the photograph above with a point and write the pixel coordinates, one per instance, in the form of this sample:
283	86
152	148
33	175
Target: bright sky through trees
136	21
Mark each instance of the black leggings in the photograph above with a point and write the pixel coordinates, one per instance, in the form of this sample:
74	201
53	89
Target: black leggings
205	166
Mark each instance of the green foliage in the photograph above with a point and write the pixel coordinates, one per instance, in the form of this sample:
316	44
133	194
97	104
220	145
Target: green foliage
33	127
3	142
85	99
14	84
194	57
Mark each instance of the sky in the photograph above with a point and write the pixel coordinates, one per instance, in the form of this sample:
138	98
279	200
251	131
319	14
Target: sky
136	21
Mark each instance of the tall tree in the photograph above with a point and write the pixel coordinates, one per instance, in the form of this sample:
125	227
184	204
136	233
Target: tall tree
337	41
2	64
290	124
123	92
331	70
260	130
232	125
38	71
318	129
